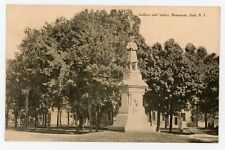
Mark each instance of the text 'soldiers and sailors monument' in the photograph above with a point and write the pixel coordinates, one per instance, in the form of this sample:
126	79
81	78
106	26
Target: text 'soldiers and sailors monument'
131	116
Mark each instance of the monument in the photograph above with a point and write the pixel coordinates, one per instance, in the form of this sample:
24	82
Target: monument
131	116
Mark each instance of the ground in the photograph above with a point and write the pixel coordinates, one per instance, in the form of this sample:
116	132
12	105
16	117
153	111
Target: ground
109	136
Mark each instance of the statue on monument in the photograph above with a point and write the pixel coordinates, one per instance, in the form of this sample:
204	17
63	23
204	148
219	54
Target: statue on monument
132	55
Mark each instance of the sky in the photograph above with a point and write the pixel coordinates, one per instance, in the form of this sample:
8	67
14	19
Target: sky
157	23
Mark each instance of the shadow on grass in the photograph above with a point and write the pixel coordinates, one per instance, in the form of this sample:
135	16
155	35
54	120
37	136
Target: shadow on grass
209	131
185	131
200	141
55	130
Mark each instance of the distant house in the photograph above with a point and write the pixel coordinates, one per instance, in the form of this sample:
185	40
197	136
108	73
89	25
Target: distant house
188	120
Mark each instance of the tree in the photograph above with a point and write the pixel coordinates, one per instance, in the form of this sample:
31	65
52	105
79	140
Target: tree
14	98
157	79
204	70
99	54
79	61
210	93
202	81
167	77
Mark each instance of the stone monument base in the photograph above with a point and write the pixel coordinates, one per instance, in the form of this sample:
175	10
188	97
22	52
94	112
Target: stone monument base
136	123
131	116
120	123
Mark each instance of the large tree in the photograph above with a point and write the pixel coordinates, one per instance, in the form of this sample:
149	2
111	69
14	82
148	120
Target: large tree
167	77
79	60
204	83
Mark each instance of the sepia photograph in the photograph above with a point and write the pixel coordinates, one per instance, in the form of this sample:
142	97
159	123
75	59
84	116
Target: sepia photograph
112	73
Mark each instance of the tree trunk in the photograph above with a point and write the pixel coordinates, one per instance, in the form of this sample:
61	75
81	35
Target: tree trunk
150	117
60	117
206	121
213	121
16	117
68	117
96	121
74	119
36	121
90	119
158	122
7	117
166	120
180	122
49	119
58	113
112	116
171	123
57	124
26	112
81	122
99	118
45	119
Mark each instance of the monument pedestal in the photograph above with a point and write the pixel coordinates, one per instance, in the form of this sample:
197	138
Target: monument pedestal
131	116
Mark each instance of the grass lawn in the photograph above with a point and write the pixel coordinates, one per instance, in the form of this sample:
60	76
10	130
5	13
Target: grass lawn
105	136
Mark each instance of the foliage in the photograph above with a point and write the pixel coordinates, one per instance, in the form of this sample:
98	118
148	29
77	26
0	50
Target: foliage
78	63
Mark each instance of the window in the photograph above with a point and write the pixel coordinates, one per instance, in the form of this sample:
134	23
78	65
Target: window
163	117
175	121
183	116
